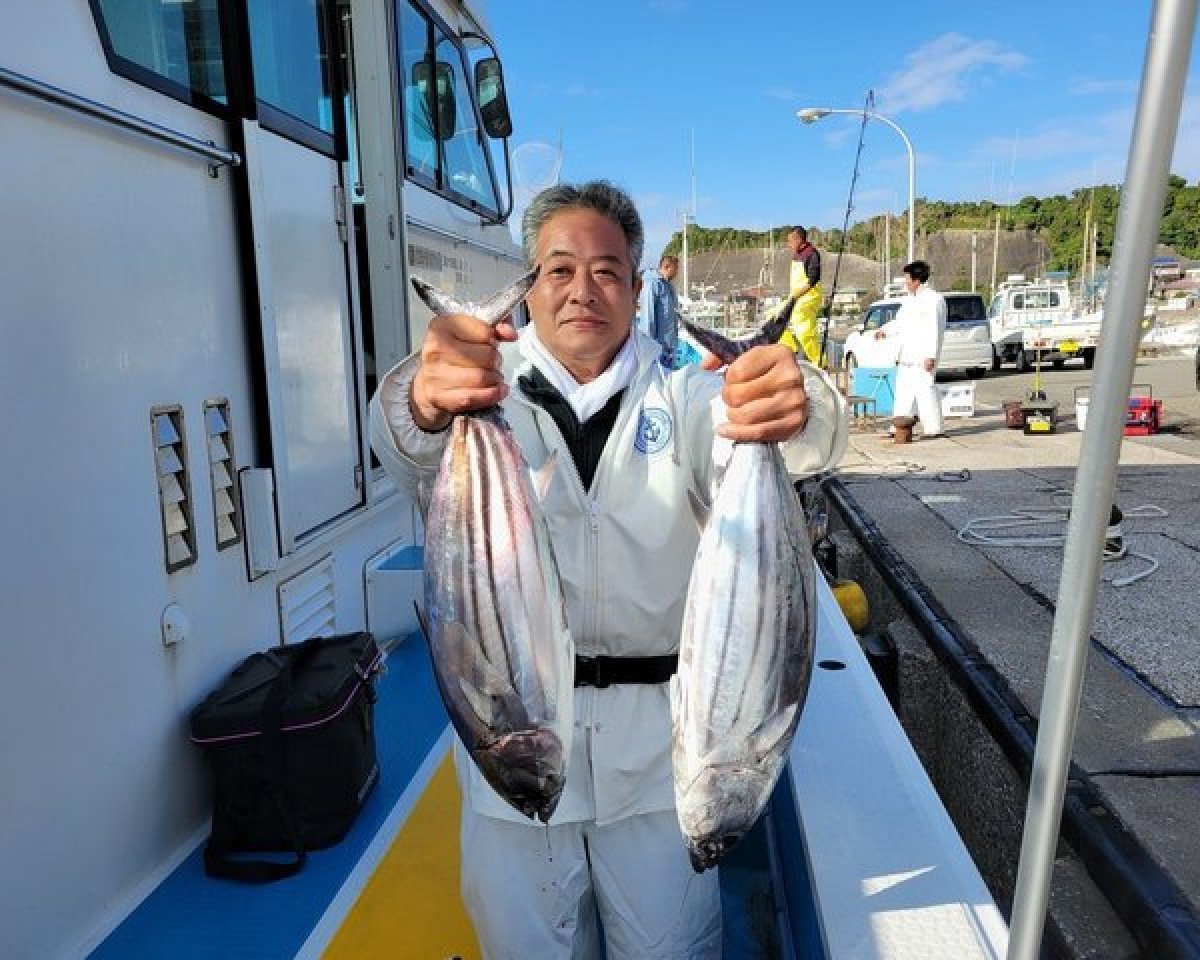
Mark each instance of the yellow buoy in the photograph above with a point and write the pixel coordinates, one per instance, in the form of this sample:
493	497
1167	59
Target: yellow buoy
853	601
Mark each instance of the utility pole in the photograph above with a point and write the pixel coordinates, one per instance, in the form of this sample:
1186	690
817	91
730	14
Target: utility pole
995	252
887	248
974	256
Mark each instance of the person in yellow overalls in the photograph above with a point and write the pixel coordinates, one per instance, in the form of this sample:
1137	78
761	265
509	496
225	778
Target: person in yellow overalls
804	296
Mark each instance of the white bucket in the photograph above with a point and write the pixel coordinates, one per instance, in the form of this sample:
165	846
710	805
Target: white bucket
1081	409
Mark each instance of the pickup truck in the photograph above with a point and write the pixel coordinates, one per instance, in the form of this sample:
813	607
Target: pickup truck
1028	319
1060	342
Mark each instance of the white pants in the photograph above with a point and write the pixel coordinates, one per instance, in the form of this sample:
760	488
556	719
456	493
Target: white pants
536	893
917	393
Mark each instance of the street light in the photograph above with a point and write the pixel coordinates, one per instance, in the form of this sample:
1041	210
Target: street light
813	114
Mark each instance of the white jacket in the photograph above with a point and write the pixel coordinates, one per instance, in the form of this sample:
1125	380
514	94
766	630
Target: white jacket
918	327
624	551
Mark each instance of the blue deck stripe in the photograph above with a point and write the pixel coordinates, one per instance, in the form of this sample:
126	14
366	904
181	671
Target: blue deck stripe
194	917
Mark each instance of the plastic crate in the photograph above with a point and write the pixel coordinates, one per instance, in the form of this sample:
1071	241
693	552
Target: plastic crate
958	399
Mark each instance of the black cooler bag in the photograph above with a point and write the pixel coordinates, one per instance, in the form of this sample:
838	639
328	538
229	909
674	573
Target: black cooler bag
290	738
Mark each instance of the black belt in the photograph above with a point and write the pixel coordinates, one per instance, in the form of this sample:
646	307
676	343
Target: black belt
603	671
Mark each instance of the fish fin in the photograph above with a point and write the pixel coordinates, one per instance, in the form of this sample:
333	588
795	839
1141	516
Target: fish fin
425	485
499	305
436	300
422	621
479	702
777	729
700	510
729	751
543	476
492	696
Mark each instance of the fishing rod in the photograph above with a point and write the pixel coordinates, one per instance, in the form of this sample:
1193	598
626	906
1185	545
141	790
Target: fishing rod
1156	123
868	105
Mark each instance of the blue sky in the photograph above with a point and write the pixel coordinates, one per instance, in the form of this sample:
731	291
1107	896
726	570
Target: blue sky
1000	100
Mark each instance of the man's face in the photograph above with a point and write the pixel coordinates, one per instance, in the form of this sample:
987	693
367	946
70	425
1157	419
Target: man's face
584	300
910	284
795	241
668	269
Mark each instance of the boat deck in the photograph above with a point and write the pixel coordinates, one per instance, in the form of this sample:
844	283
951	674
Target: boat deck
825	874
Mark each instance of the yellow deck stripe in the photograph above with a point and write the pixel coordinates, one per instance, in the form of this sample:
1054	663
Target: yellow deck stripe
410	909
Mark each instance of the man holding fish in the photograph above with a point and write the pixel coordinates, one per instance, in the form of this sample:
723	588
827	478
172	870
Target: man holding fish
625	455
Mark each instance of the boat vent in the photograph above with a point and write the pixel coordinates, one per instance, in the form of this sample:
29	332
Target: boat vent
174	487
306	604
222	468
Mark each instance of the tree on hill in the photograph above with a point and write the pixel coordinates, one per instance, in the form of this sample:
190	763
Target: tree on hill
1058	221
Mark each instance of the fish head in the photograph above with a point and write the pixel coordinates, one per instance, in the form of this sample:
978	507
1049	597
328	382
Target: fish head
719	808
526	768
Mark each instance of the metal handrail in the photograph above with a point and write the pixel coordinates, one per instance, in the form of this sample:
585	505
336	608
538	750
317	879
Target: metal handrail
51	94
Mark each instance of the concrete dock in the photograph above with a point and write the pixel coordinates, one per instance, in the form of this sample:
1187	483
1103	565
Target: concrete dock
972	623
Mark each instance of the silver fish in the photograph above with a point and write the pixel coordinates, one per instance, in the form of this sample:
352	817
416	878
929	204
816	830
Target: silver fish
747	645
497	625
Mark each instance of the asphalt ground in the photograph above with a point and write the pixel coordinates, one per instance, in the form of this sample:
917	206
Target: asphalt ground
1140	711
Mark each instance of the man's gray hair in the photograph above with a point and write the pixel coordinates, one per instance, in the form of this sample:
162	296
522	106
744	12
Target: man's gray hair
598	195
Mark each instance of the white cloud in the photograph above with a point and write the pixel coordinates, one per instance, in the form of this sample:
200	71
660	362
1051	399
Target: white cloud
1077	153
1091	87
938	72
787	94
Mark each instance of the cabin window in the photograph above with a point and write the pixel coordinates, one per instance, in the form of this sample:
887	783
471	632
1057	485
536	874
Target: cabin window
174	48
465	165
420	134
290	48
1041	300
444	146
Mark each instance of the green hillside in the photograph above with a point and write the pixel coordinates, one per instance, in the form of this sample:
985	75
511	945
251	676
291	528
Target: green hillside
1057	221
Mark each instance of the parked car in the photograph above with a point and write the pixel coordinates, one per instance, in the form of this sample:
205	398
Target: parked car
967	344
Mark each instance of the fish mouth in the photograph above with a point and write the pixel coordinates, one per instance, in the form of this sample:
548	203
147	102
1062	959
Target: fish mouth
728	802
526	768
708	851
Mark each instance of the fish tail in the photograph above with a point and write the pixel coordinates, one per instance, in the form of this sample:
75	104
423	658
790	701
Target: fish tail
500	304
727	350
435	299
773	329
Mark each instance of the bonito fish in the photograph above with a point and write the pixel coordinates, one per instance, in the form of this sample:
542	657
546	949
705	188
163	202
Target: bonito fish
746	651
497	625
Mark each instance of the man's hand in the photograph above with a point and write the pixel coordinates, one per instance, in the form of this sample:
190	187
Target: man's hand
930	364
764	394
460	369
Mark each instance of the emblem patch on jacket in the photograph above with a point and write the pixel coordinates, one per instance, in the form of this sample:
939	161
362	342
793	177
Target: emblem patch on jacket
654	431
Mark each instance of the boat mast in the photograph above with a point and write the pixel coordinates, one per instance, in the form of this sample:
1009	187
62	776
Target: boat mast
1138	220
689	215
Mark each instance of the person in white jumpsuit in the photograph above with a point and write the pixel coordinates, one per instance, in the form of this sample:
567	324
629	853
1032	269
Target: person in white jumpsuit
634	442
918	329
